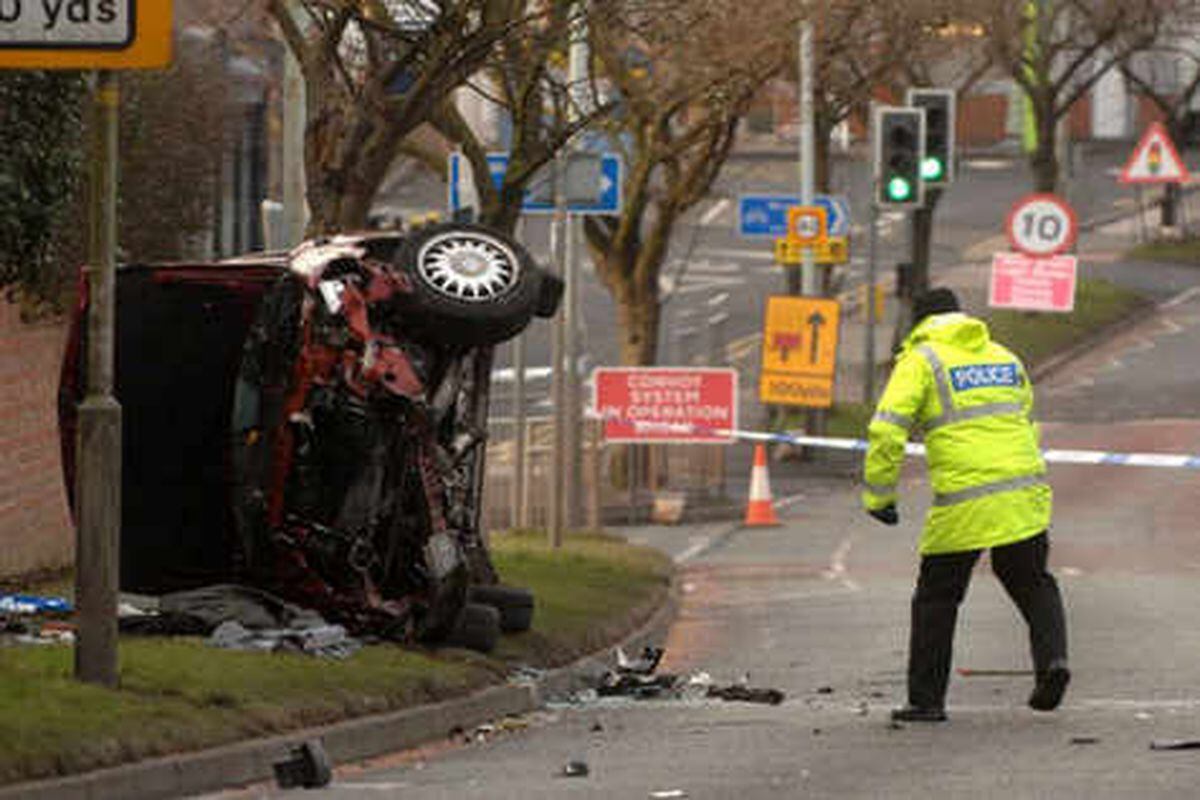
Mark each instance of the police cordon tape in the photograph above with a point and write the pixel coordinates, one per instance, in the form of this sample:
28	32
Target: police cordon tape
1053	456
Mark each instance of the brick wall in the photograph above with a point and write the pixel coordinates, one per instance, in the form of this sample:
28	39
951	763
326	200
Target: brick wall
981	119
35	529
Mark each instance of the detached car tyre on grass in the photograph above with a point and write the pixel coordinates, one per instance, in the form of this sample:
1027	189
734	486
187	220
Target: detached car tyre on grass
332	435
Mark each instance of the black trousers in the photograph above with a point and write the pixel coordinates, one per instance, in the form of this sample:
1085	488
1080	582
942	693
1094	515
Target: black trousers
941	586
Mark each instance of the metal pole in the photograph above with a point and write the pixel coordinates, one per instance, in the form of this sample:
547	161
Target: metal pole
295	211
98	448
558	345
577	65
520	512
572	439
595	475
869	344
520	515
808	269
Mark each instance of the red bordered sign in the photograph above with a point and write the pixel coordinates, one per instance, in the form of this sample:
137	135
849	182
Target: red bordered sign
1155	159
1041	225
666	404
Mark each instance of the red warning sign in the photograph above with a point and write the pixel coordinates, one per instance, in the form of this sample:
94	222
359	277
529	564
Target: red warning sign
1155	160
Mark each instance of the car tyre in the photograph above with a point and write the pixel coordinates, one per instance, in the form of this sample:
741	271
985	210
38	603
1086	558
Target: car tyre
478	628
514	605
471	286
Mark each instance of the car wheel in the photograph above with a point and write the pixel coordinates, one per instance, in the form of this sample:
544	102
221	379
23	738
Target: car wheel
514	605
471	286
478	628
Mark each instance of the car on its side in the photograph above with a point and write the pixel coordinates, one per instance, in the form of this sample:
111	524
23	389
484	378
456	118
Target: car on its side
313	423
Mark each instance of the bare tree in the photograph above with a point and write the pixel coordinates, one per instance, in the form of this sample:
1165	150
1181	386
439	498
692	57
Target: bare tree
684	79
377	70
1168	74
1057	51
525	79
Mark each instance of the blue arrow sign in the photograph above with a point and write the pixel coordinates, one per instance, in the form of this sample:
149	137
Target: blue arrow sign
766	214
593	184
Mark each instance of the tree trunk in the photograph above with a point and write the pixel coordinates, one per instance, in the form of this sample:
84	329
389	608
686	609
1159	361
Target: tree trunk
822	169
1045	157
638	314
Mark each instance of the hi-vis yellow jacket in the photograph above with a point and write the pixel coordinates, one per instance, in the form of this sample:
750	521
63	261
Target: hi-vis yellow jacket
972	400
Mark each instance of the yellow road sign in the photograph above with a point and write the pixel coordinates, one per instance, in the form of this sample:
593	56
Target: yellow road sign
835	250
109	34
799	351
808	225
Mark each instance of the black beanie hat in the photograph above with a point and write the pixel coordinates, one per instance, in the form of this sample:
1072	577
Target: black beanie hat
935	301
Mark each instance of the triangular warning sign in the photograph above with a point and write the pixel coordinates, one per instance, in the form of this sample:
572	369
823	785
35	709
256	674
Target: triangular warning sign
1155	159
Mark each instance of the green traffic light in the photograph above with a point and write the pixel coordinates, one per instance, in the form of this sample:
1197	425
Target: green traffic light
932	169
899	189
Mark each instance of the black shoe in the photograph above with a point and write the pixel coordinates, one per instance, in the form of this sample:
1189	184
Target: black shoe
917	714
1048	692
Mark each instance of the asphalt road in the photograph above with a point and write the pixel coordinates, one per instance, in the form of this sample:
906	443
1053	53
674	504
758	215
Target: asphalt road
818	608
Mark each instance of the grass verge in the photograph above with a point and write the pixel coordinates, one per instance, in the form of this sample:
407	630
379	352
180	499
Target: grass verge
1036	336
179	694
1183	251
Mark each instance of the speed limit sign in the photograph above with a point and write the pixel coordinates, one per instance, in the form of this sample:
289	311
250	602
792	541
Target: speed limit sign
1041	225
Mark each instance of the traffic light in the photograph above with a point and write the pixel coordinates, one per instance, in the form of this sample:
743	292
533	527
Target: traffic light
899	135
937	168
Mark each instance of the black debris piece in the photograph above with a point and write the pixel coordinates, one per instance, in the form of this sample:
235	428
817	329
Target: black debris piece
1084	739
636	685
747	694
1175	744
646	664
575	769
825	690
307	766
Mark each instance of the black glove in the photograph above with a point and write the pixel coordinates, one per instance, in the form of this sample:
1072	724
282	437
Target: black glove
887	515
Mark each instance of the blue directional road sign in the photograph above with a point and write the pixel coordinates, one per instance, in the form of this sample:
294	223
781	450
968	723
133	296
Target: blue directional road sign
766	214
593	184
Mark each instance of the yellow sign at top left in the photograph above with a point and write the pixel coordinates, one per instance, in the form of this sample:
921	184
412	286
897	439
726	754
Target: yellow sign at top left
85	34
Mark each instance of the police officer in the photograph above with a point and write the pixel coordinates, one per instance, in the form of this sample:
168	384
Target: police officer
971	399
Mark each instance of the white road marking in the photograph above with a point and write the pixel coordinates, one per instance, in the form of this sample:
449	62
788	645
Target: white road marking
837	566
707	283
988	164
1071	572
1172	326
788	502
765	254
698	546
711	215
1181	298
718	267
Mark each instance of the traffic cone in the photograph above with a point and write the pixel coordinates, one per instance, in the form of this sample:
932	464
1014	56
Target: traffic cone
760	511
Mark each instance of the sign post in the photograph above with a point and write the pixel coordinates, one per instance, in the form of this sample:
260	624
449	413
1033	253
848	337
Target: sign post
118	35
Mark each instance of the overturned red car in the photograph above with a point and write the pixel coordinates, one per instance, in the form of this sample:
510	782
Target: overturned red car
314	424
